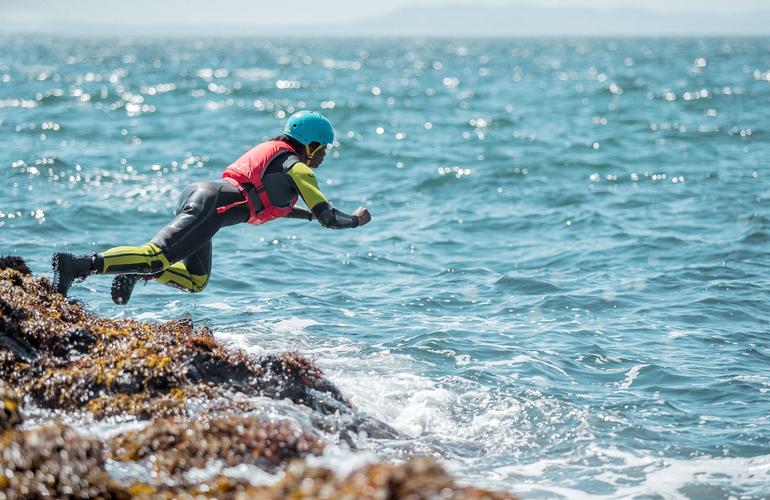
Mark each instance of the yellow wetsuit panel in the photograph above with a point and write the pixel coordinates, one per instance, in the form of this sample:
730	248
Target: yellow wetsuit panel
178	276
307	184
149	260
145	259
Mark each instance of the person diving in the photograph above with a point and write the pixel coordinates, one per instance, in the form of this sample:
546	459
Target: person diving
263	184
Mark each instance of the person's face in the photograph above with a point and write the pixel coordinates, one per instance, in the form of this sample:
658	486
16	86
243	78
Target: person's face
318	156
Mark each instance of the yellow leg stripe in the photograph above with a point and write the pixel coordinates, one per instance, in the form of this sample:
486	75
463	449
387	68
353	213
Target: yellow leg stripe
149	256
178	276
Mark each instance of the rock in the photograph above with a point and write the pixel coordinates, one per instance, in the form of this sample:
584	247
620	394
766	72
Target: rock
132	367
10	409
174	446
78	339
421	478
17	348
53	461
15	263
290	376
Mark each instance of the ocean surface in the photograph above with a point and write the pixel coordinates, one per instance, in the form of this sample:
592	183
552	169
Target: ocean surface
564	288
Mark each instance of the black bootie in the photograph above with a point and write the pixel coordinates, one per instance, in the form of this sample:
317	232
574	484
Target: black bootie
67	268
122	286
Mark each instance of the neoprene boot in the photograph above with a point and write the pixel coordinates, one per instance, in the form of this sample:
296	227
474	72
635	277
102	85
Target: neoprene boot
67	268
122	286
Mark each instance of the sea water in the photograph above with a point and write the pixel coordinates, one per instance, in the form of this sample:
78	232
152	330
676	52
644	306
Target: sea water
564	287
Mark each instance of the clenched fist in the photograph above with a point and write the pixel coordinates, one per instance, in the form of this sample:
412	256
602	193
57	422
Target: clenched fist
363	216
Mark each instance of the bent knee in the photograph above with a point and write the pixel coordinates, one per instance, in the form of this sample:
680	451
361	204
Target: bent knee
199	283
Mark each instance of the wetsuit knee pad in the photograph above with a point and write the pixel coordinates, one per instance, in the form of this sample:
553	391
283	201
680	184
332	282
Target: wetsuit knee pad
200	283
145	259
177	276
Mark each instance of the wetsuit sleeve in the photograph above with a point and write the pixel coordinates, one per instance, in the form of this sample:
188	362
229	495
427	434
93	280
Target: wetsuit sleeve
330	217
300	213
307	186
305	181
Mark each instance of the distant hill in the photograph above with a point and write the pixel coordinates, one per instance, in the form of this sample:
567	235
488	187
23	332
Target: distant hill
528	21
460	20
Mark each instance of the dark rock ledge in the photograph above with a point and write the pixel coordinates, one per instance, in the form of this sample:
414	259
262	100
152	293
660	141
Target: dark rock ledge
62	357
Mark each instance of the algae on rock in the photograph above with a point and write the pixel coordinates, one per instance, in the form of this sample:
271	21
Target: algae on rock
64	357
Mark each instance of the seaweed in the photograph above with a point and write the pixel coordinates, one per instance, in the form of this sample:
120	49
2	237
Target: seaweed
64	357
173	446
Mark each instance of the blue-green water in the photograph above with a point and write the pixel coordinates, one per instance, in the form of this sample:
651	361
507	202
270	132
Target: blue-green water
564	288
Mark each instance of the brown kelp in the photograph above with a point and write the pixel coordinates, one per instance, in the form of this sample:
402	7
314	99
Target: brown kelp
62	356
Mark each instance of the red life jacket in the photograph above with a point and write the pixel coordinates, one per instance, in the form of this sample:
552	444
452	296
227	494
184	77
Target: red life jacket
250	168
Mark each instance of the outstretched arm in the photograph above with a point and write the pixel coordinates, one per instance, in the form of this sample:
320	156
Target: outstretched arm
307	186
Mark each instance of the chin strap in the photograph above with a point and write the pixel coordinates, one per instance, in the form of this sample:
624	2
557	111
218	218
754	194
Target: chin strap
310	154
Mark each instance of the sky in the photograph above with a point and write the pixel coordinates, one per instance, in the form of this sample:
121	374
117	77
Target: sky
47	15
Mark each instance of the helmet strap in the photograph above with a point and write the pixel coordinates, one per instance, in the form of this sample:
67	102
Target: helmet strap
309	154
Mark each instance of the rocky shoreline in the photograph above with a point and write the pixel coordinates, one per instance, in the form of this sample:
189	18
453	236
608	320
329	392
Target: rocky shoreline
56	355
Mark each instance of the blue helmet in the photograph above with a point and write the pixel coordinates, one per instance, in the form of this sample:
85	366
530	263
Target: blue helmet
308	127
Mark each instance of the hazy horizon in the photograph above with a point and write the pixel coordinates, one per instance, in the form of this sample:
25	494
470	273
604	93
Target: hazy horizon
351	18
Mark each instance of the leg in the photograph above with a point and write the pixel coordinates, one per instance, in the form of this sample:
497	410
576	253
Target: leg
145	259
192	274
192	228
187	238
